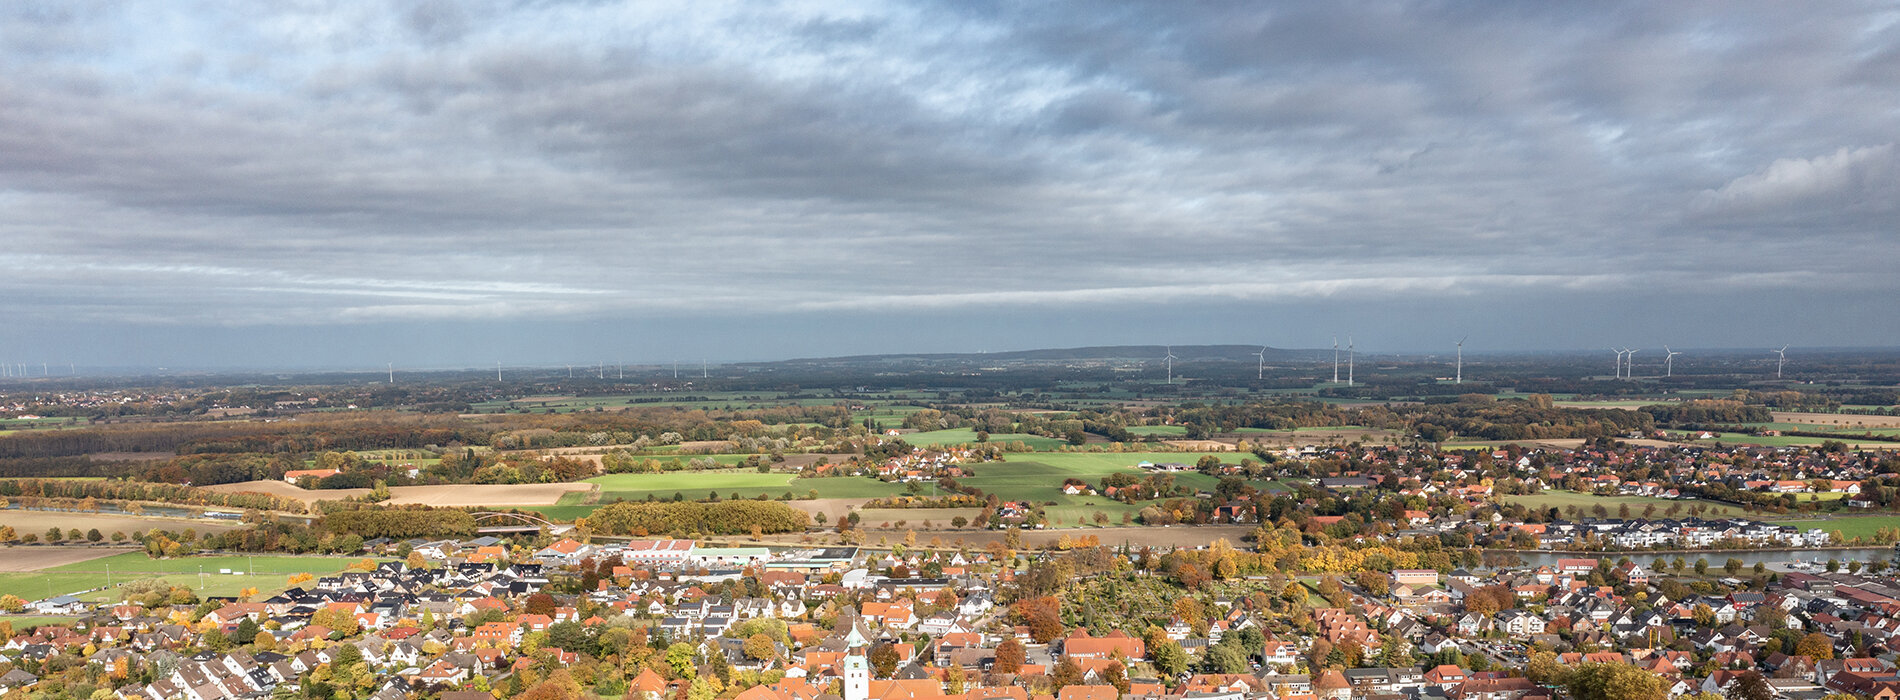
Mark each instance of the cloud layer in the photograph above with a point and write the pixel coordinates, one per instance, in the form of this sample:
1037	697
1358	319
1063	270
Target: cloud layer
319	164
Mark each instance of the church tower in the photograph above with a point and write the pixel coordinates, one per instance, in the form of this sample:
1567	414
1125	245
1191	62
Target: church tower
857	678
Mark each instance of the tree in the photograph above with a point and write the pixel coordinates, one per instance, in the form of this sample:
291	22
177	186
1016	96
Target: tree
1226	658
1816	645
679	656
1733	566
1704	615
1615	682
1009	656
884	659
1373	582
1169	659
540	604
760	647
1749	686
1543	669
1066	673
1044	618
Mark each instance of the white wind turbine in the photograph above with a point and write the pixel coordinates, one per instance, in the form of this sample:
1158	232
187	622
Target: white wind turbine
392	372
1669	361
1631	363
1335	359
1170	359
1260	368
1781	357
1349	358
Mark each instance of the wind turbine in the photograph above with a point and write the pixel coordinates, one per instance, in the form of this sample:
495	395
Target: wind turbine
703	372
498	370
676	369
1619	362
1669	361
1631	362
1260	370
1349	358
1170	359
1335	359
392	372
1781	356
1461	360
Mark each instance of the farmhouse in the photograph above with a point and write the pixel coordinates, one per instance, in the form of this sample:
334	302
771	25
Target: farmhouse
295	475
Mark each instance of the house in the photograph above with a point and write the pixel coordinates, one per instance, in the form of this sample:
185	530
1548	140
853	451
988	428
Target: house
295	476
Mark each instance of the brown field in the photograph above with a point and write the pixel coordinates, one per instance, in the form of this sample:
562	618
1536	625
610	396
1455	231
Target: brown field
1342	436
1201	445
37	521
452	495
831	507
36	558
1838	420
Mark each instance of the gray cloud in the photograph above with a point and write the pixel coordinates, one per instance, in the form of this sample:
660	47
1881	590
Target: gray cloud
246	165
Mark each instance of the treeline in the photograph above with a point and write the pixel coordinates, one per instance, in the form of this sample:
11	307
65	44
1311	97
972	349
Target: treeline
29	467
678	518
142	491
367	432
400	523
1700	412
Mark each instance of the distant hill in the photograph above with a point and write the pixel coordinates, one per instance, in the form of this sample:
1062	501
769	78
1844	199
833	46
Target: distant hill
1109	353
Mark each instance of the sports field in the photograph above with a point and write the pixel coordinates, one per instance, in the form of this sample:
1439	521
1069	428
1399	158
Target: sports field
1566	499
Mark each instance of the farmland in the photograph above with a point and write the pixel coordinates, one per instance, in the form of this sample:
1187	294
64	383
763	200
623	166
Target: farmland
37	521
1566	499
455	495
88	579
962	436
1848	527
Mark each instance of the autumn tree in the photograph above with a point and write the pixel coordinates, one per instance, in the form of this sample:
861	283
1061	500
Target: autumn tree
1816	645
1044	618
1749	686
1615	682
1010	656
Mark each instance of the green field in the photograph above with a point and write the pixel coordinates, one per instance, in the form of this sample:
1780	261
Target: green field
21	622
84	578
1035	477
1849	526
1162	430
1765	441
962	436
1565	499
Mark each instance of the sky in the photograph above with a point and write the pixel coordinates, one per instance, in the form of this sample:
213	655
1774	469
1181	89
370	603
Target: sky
442	183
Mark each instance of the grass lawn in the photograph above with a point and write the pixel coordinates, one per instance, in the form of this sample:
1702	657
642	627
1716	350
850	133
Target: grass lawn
1565	499
1848	527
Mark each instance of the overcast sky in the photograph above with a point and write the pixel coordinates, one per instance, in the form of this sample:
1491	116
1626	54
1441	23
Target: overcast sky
451	182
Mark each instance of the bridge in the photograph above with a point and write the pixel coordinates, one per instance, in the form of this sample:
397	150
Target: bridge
513	523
